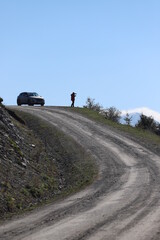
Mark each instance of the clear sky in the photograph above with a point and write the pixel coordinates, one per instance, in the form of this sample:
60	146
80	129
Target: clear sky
108	50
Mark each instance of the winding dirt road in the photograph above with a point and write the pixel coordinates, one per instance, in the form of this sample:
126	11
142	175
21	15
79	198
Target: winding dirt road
123	203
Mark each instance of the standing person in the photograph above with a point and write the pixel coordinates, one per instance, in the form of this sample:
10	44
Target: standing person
73	95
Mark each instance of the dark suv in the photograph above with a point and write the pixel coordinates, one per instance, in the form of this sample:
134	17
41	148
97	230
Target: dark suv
30	98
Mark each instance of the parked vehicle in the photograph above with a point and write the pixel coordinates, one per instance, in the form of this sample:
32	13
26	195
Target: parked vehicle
30	98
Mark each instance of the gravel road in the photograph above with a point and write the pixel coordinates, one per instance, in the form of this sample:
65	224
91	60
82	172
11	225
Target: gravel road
123	202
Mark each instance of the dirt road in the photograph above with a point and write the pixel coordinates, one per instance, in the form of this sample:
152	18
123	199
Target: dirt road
123	203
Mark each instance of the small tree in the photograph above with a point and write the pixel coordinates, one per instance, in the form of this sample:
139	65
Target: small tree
113	114
147	123
128	119
1	100
90	103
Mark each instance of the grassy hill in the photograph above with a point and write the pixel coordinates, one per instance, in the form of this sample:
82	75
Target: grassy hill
38	163
143	137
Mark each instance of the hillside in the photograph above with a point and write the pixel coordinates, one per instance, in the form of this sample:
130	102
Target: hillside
122	201
37	163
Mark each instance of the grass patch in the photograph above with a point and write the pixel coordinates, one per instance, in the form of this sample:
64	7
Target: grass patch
132	131
16	147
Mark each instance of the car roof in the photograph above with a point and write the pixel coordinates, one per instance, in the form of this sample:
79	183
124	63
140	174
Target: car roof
28	93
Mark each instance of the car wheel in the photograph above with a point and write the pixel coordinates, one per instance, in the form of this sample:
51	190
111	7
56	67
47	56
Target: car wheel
42	104
30	103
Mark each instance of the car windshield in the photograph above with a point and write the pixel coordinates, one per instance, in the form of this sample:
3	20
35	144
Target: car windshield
33	94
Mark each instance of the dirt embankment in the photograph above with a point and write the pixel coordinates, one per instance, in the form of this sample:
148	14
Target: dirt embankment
37	163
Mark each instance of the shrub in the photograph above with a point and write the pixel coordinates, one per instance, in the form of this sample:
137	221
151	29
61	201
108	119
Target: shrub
112	114
147	123
90	103
1	100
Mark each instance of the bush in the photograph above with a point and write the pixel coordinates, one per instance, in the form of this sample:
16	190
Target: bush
112	114
147	123
90	103
1	100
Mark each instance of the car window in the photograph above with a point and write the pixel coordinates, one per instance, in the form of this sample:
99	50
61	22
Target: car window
24	94
32	94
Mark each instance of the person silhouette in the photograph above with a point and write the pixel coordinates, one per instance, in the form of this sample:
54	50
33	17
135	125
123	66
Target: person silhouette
73	95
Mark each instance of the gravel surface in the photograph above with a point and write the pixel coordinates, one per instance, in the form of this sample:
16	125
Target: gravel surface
122	203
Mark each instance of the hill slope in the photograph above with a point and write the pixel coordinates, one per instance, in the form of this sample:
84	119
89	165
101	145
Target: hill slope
122	201
37	163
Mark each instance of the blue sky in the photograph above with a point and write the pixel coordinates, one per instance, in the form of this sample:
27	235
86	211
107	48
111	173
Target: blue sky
108	50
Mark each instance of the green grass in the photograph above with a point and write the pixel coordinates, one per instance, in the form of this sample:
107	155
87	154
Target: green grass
133	131
16	147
